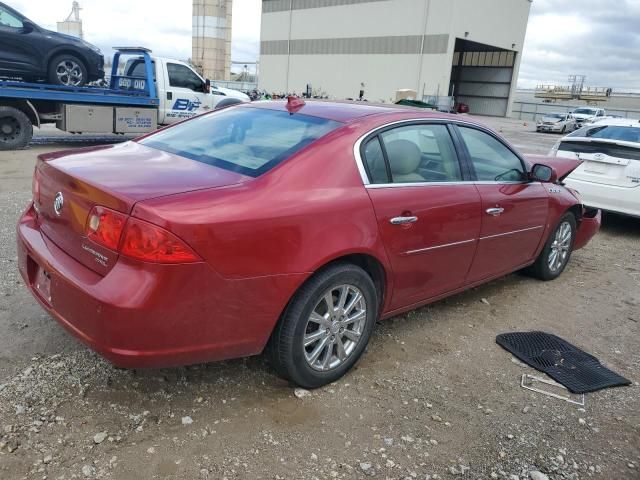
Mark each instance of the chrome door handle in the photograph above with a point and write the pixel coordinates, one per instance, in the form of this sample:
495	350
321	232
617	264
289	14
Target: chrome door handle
403	220
495	211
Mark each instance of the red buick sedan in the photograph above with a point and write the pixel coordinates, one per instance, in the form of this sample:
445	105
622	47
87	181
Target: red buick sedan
286	227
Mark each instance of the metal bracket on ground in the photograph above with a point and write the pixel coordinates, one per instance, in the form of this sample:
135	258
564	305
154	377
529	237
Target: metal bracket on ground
527	381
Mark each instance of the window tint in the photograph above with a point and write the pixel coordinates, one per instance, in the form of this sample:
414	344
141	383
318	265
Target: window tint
421	153
181	76
374	160
491	159
246	140
9	20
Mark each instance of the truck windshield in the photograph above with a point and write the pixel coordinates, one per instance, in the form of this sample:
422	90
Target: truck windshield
250	141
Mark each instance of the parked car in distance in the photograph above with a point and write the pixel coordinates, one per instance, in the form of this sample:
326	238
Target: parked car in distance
609	176
31	52
584	115
285	225
556	122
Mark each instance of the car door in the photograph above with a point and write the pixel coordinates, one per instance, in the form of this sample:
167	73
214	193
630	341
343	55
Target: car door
514	210
428	212
185	94
17	55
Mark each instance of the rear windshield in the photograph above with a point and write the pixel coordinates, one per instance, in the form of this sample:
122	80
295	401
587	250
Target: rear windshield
249	141
610	132
610	149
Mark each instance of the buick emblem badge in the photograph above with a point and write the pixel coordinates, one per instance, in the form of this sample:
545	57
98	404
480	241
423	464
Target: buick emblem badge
58	203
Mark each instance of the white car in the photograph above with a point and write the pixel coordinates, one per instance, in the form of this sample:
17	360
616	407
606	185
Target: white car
556	122
585	115
609	177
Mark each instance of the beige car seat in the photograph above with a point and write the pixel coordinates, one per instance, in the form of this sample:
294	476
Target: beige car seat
404	159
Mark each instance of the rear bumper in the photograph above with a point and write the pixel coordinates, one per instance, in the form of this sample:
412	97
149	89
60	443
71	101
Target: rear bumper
589	226
152	315
625	200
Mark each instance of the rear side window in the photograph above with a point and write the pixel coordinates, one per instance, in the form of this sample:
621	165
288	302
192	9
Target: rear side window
414	154
610	149
491	159
374	159
250	141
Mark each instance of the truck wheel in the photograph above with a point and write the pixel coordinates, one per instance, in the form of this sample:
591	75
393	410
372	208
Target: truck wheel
67	70
15	129
225	102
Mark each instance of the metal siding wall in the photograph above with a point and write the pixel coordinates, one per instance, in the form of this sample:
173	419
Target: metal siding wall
486	74
269	6
408	44
495	107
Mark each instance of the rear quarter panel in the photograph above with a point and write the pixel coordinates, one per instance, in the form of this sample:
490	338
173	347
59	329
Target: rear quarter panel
310	209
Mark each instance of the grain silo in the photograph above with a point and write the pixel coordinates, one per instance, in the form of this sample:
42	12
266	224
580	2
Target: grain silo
211	42
72	25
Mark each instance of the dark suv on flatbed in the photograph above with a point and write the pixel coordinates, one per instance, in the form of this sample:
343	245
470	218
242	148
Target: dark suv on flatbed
30	52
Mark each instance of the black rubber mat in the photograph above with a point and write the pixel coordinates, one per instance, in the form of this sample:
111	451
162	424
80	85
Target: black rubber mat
565	363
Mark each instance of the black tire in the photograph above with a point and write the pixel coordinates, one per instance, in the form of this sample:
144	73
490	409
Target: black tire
16	129
541	268
77	71
564	129
286	351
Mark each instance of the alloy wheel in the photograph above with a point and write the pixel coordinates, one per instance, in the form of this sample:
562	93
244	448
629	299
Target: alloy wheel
559	251
69	73
334	327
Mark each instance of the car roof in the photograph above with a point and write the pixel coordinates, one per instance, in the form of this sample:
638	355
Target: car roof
345	111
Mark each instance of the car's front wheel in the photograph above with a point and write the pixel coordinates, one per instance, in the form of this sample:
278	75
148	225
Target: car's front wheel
556	252
67	70
326	326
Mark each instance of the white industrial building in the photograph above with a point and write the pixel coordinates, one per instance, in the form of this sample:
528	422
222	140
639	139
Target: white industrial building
469	49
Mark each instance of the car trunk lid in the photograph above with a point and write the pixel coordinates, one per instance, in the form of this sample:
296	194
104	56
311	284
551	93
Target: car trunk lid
605	161
71	183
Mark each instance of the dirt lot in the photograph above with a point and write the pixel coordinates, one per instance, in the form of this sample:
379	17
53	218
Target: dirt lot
433	398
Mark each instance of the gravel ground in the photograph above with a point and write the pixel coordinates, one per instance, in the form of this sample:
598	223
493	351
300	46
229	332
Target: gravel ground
433	398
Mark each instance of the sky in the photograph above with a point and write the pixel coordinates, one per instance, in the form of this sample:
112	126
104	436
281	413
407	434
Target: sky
596	38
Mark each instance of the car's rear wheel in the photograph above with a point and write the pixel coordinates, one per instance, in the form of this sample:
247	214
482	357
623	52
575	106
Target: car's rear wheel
556	252
16	129
326	326
67	70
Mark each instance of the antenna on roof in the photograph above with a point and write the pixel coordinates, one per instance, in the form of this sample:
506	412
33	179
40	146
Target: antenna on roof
294	104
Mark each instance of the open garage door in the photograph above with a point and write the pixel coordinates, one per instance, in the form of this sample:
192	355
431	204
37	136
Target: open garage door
481	77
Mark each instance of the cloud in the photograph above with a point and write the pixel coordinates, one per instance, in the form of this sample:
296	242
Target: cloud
164	26
596	38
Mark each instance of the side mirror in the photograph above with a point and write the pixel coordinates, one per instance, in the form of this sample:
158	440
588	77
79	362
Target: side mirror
543	173
207	86
27	26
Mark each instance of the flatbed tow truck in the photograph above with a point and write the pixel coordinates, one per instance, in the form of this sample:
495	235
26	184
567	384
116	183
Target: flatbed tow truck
151	92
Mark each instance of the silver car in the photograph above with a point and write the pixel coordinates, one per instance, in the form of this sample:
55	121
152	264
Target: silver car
556	122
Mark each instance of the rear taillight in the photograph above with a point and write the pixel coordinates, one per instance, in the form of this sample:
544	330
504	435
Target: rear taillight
148	242
136	238
104	226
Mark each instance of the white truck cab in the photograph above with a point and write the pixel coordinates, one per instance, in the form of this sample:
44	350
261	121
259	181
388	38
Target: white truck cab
182	92
584	115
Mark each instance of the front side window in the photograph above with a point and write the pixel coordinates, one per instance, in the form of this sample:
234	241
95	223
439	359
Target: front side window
415	154
8	19
491	159
184	77
247	140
